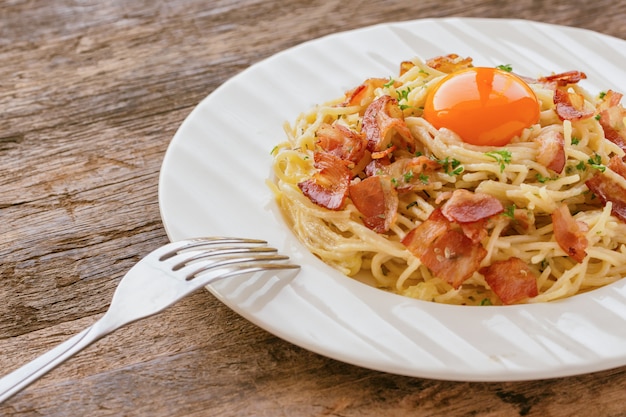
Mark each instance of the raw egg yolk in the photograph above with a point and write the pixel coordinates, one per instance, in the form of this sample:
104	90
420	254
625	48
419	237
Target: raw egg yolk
484	106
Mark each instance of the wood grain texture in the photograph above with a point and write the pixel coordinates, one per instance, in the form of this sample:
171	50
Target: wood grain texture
91	92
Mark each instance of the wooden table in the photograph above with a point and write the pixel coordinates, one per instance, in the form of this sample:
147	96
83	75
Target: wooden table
91	92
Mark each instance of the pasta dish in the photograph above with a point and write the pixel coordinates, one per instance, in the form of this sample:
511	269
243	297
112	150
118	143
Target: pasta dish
461	184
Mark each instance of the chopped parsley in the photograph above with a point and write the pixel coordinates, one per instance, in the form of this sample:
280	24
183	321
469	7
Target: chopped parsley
596	162
389	83
503	157
509	211
575	140
543	179
505	67
411	204
450	167
403	96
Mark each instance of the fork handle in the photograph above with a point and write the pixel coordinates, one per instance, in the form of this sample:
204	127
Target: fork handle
19	379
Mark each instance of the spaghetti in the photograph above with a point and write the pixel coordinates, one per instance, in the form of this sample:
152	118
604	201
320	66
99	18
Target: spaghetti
427	215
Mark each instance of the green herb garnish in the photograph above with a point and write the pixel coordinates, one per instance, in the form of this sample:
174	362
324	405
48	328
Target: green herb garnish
450	166
509	211
503	157
596	162
505	67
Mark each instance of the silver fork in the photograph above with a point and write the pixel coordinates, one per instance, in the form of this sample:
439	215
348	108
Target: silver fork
157	281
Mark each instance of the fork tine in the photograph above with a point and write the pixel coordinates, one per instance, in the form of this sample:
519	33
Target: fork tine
238	262
251	268
229	256
197	254
197	243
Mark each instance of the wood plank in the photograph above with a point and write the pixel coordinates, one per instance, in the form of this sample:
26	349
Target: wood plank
91	94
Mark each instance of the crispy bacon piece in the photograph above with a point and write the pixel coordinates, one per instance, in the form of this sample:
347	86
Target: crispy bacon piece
384	125
386	153
551	152
405	66
420	238
607	189
363	94
329	186
448	253
524	218
453	257
475	231
568	105
571	106
449	63
564	78
377	200
617	165
408	172
612	116
511	280
611	99
377	167
467	207
570	233
342	142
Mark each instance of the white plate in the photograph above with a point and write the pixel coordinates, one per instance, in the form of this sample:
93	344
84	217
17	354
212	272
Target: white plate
213	183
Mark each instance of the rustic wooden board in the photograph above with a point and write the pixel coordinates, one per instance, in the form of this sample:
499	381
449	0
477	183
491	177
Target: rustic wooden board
91	93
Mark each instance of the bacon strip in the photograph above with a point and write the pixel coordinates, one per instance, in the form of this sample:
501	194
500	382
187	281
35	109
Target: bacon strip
420	238
453	257
448	253
551	152
342	142
408	172
605	188
570	106
384	125
612	116
570	233
564	78
363	94
377	200
405	66
377	167
449	63
467	207
329	186
511	280
475	231
617	165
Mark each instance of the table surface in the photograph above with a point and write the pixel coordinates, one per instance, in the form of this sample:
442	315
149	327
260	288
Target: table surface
91	93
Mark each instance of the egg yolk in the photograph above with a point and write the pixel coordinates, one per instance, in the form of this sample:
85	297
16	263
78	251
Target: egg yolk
484	106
